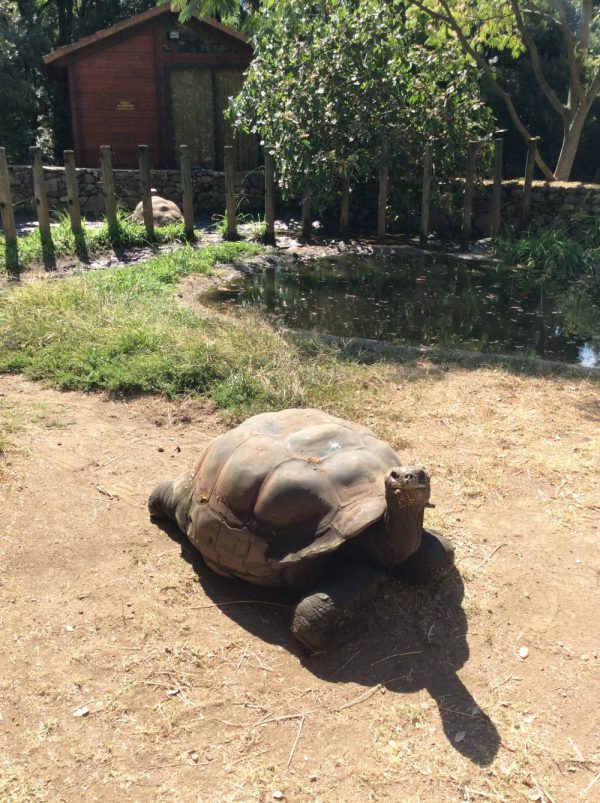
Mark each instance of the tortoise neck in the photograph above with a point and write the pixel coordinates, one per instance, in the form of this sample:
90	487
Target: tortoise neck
403	528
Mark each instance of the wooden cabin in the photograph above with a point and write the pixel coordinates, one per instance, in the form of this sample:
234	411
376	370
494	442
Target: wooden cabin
151	80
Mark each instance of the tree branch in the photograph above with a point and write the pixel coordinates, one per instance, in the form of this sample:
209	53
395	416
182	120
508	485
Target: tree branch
550	94
586	24
449	19
575	62
592	93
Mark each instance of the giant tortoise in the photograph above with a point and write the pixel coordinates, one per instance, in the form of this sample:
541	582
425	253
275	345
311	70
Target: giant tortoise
302	500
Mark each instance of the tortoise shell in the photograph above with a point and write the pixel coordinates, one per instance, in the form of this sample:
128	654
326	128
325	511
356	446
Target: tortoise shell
274	496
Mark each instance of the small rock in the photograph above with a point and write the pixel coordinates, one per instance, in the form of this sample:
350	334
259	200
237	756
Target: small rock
195	757
523	653
161	448
312	778
69	628
278	795
459	737
585	657
82	711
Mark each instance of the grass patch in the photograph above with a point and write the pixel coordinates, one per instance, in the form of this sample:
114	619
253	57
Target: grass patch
121	330
551	251
32	249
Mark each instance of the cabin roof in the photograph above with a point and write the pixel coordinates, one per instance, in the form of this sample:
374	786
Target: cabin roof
60	56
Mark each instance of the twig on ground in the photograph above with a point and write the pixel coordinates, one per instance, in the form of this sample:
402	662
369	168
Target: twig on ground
460	713
362	697
503	682
396	677
576	750
344	665
543	793
260	663
488	558
589	786
101	490
266	721
242	656
118	457
396	655
299	731
240	602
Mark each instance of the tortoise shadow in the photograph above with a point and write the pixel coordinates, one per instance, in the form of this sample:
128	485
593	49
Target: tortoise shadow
412	639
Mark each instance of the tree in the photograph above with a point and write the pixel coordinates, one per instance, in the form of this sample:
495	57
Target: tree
22	40
236	13
333	79
484	27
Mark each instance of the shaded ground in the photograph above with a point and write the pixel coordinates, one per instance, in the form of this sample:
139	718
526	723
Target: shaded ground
191	700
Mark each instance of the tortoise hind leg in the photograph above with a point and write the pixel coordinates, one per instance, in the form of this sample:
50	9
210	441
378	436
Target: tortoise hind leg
171	500
327	616
432	562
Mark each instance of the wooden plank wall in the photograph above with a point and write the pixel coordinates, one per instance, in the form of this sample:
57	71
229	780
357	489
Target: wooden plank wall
116	101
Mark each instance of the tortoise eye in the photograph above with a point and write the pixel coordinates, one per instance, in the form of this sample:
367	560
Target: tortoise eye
394	475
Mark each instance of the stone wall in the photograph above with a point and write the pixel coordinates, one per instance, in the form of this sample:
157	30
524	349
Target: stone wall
574	203
209	189
550	201
577	204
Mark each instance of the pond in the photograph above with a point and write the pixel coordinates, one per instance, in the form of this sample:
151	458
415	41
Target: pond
429	300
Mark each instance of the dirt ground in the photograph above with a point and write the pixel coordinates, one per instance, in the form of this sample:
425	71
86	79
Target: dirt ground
191	687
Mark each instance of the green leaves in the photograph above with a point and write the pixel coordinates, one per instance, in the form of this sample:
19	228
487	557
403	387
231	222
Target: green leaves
334	79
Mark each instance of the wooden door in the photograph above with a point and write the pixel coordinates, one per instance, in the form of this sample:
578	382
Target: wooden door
228	83
192	114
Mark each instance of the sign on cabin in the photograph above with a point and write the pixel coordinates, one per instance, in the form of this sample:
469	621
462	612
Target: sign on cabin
151	80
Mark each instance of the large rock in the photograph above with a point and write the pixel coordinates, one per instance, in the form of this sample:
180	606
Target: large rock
163	212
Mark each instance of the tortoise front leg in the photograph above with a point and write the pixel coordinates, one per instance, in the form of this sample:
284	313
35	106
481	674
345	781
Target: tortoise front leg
327	616
432	562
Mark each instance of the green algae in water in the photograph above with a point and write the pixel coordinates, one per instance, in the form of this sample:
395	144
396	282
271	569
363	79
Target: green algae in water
430	300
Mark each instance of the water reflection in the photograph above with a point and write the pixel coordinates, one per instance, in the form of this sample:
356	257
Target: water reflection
431	300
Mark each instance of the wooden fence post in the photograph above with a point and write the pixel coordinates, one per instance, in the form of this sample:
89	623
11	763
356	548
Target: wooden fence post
383	190
8	217
187	190
528	182
146	188
497	188
39	191
425	196
345	204
230	206
269	197
306	200
72	192
108	187
467	216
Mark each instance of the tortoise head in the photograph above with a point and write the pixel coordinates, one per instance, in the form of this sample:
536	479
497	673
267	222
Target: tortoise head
407	486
